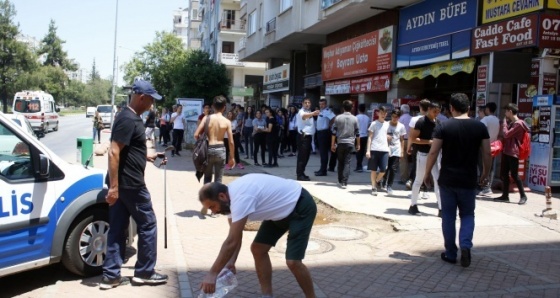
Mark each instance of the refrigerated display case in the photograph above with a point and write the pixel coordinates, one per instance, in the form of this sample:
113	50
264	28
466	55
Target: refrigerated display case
544	162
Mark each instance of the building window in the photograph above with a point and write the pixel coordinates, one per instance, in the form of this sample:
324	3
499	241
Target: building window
252	23
228	18
285	4
194	14
228	47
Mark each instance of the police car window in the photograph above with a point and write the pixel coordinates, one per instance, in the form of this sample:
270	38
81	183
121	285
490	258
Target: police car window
15	158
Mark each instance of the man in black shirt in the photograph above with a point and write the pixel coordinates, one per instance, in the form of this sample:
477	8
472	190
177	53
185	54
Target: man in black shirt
421	135
460	140
128	195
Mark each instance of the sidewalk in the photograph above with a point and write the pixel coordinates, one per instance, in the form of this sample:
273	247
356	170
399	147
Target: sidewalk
514	254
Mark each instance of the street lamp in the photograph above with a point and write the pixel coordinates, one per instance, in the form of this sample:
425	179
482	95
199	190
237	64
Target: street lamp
114	64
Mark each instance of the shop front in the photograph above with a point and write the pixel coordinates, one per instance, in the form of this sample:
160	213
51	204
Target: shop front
360	68
433	51
276	86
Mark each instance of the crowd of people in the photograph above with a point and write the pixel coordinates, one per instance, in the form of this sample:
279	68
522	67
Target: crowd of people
449	153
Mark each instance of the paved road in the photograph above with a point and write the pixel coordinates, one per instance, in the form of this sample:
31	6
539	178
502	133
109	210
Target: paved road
63	141
516	254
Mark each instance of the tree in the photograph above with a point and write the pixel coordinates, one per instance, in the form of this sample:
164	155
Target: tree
15	58
200	77
157	63
94	73
52	47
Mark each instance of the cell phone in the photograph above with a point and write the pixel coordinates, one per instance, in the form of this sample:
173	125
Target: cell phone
161	155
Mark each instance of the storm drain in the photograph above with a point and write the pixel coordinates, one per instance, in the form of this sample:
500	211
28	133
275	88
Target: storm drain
314	247
339	233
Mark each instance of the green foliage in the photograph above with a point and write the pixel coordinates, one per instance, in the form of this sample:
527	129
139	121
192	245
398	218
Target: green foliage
15	58
52	47
201	77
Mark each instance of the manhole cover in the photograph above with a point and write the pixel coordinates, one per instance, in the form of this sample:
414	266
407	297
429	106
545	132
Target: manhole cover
314	247
339	233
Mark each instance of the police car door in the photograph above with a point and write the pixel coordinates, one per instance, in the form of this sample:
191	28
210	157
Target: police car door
25	203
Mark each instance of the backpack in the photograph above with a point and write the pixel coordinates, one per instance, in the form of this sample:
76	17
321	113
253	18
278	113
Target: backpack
200	151
525	148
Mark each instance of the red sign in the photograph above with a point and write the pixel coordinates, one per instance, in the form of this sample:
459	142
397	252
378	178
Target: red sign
549	34
525	92
481	76
367	54
516	33
374	83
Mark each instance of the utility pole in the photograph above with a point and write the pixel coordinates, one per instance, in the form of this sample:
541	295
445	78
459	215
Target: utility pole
114	65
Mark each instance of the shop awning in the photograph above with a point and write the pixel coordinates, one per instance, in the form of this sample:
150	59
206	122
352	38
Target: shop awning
448	67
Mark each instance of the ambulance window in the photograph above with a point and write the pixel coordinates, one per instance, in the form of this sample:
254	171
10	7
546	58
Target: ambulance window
15	158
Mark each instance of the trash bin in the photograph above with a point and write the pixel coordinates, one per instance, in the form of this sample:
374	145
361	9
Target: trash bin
84	150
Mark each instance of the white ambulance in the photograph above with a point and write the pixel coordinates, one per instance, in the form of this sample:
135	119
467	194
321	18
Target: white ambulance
39	108
50	211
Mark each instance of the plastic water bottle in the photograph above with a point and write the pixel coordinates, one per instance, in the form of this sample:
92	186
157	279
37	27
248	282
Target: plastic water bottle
225	282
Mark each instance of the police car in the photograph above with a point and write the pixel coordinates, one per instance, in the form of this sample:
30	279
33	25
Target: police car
50	211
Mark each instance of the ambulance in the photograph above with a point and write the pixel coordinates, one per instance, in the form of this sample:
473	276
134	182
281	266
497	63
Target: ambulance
39	108
50	211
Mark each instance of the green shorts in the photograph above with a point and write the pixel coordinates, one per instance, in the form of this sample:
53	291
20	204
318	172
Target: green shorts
298	223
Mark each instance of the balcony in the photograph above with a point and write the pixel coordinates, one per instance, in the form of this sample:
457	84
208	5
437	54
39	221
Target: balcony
231	25
242	42
271	26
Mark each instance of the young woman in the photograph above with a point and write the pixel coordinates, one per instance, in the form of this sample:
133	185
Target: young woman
97	127
248	131
259	137
292	130
236	139
271	138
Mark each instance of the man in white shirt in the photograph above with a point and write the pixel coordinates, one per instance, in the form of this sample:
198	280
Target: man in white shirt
178	130
363	124
324	122
282	205
378	149
404	163
306	129
493	124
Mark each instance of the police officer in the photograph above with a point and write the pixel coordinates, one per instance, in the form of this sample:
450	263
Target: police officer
306	129
128	195
324	122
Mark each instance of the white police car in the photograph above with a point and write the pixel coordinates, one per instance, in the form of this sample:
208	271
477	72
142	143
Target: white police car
50	211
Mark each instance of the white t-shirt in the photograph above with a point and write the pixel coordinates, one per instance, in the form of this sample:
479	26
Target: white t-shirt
413	121
262	197
363	124
396	132
178	122
379	139
493	124
305	126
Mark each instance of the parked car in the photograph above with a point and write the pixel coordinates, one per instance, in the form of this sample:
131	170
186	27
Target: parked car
90	112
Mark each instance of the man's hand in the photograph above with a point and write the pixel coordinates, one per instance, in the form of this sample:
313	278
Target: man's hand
368	155
428	180
152	157
358	147
112	196
231	162
333	148
208	285
316	112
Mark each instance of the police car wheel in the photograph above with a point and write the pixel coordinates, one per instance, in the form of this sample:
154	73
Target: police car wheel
86	244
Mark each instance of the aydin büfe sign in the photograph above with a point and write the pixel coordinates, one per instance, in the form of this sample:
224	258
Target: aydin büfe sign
366	54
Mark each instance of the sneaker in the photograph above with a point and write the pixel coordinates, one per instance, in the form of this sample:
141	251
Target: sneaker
413	210
522	201
409	184
339	184
501	199
374	191
485	192
107	283
155	279
344	185
425	196
227	167
465	257
240	166
389	190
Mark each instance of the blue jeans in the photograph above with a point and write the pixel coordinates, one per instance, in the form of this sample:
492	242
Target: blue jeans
138	204
451	199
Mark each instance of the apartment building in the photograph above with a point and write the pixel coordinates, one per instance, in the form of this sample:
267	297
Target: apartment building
185	25
222	31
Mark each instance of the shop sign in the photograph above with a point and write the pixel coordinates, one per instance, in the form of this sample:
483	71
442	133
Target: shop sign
443	48
242	91
371	84
549	33
503	9
367	54
540	124
435	70
481	83
525	92
554	4
539	166
277	79
432	18
516	33
337	87
231	59
549	84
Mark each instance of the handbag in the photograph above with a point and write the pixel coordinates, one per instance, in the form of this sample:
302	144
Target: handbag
496	148
200	151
